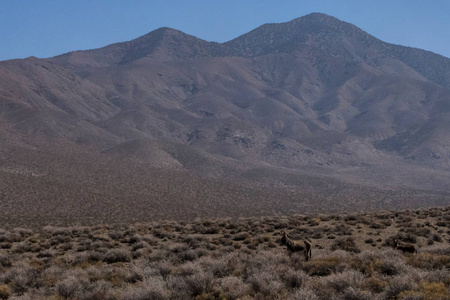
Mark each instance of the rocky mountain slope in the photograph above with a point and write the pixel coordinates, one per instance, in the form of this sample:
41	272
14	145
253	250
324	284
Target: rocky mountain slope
314	106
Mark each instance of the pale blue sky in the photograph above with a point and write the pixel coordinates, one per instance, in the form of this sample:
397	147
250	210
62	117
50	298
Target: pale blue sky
46	28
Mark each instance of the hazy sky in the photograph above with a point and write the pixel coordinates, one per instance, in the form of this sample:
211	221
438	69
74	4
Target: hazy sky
46	28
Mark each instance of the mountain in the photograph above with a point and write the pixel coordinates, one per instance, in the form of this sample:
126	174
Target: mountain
309	115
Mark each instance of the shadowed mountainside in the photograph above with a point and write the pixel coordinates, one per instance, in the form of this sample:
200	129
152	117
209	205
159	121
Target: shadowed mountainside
313	114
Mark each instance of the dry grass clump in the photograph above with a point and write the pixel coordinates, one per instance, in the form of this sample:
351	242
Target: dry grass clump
231	258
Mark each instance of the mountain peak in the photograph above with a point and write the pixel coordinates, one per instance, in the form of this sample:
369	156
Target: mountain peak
164	43
171	43
315	28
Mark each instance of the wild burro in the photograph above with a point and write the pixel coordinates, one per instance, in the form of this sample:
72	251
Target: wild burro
297	245
405	247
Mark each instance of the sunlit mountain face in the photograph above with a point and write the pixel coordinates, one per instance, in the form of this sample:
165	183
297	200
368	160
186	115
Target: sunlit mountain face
312	115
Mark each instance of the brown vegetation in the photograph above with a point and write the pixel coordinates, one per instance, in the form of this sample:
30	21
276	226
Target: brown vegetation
231	258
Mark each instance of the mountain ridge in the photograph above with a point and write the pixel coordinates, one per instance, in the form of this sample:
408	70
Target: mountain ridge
306	107
201	48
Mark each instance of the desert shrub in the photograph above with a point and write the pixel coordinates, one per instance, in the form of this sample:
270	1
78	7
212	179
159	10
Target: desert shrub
240	236
219	267
375	284
233	288
116	235
94	256
352	293
6	245
389	266
410	295
117	276
416	231
437	276
66	246
437	249
321	266
266	283
139	245
388	262
347	244
398	285
404	237
428	261
342	229
5	260
210	230
190	255
294	279
376	225
199	283
22	247
150	239
10	237
302	294
369	241
164	268
442	224
345	280
350	218
60	239
317	235
178	248
135	238
20	277
281	225
51	275
164	234
100	290
44	254
434	290
436	237
72	287
5	291
152	288
426	292
117	255
193	240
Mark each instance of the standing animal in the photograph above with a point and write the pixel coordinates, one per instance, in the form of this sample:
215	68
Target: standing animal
296	246
408	248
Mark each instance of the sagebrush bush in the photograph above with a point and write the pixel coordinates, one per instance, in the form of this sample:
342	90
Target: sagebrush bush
265	283
5	291
200	283
321	266
352	293
294	279
375	284
233	287
346	244
398	285
345	280
20	277
117	255
72	286
152	288
434	290
429	261
303	293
